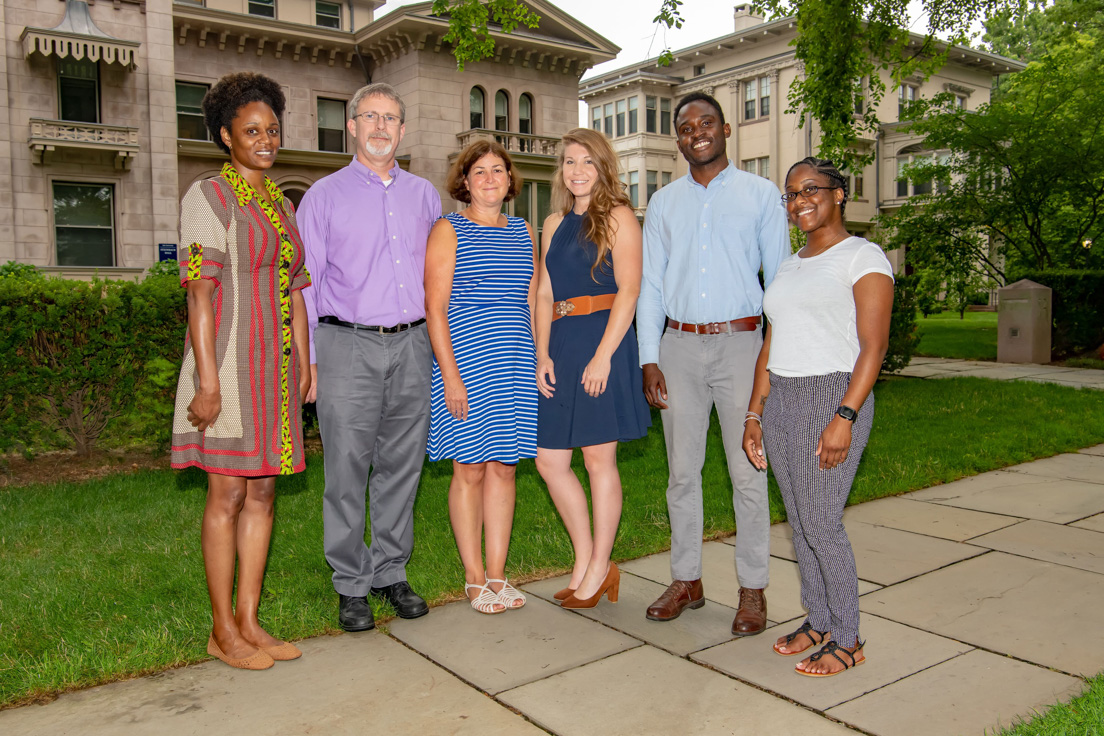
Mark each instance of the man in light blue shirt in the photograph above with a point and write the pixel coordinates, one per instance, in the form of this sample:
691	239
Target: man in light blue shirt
706	236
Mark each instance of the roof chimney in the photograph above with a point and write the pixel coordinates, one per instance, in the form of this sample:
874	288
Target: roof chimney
745	17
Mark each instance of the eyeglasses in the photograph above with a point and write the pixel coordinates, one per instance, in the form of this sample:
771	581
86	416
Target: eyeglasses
372	117
806	192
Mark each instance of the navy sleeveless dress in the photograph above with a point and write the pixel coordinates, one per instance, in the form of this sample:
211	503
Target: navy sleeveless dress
492	340
571	418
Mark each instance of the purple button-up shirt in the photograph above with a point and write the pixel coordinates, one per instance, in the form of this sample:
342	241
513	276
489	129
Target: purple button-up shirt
365	245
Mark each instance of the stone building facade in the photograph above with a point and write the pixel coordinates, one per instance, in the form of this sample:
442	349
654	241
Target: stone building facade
749	72
103	134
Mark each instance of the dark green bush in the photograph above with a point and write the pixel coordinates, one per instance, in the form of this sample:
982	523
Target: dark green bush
80	355
16	270
1078	308
902	324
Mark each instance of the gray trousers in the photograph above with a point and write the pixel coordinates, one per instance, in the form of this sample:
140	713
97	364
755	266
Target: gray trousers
373	412
797	411
703	371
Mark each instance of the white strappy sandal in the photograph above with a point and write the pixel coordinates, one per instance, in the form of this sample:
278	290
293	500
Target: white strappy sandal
509	596
486	601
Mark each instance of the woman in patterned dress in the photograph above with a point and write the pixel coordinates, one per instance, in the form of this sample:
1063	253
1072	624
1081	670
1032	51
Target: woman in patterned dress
245	358
479	283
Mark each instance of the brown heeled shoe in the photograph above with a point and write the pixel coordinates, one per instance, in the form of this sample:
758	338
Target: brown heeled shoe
608	588
564	594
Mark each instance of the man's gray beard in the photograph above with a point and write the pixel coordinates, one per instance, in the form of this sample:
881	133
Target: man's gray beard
379	147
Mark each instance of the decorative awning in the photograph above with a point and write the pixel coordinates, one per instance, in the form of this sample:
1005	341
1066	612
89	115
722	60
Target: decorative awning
78	37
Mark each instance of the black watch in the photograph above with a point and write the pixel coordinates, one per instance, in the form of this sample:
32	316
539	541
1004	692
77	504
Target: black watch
847	413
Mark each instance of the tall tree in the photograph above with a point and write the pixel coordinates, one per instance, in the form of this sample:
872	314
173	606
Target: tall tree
1023	183
1029	28
840	42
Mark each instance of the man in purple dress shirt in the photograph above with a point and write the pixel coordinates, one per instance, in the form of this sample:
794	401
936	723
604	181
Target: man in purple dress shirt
365	229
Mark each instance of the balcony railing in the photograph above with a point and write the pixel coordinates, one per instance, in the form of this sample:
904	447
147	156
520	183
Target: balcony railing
49	135
538	145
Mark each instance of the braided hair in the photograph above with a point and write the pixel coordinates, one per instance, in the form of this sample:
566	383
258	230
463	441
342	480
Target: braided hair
826	167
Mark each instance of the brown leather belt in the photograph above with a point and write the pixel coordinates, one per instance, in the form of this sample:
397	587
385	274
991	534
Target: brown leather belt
744	324
577	306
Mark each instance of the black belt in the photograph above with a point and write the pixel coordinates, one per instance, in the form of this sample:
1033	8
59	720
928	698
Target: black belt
372	328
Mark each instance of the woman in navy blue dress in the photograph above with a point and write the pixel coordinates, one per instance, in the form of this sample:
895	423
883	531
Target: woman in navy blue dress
480	267
588	368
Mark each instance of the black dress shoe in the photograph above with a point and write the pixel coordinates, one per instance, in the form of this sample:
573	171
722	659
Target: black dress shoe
354	613
405	601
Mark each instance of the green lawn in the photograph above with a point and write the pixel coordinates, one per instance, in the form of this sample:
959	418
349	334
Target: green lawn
944	335
104	580
1082	716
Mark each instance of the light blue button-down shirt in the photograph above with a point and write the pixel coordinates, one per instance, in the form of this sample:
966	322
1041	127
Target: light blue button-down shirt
703	248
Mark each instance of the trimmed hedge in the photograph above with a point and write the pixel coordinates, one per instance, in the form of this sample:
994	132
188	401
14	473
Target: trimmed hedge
82	359
902	325
1078	308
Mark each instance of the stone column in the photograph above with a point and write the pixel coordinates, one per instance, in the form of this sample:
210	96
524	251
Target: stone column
7	198
775	124
161	80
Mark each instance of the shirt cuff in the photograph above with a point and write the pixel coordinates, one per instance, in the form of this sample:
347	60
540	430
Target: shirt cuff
649	354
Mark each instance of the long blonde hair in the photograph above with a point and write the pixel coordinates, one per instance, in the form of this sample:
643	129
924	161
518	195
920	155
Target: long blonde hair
608	191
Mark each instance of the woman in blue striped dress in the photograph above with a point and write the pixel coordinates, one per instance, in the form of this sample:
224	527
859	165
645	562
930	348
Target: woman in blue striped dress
479	298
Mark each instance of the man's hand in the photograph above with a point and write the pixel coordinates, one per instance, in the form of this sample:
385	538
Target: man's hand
655	386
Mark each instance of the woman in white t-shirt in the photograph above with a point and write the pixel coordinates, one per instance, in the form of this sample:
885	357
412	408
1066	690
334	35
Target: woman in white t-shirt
828	312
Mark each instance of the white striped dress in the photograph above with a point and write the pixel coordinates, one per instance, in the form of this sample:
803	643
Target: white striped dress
492	340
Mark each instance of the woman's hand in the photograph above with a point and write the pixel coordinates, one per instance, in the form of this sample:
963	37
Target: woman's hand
834	443
306	383
546	376
753	444
204	409
456	398
595	375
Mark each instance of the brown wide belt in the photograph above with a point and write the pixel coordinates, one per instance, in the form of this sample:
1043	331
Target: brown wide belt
744	324
579	305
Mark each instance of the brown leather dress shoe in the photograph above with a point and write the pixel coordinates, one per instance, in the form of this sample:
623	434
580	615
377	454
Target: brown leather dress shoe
679	595
751	616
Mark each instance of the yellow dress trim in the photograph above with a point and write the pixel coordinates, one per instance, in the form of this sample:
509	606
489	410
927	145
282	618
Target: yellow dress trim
195	261
245	194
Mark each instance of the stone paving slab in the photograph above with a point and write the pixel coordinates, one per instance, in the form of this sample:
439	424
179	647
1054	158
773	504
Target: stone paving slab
1096	523
929	519
1019	494
1037	611
1070	466
646	691
1086	375
719	581
1065	380
886	556
501	651
1095	450
975	693
708	626
1039	540
1014	371
339	685
893	651
925	371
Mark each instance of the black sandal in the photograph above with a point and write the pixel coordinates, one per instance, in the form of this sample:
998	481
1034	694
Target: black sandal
835	650
808	630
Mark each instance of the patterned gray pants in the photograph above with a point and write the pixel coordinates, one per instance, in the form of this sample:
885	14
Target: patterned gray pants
797	411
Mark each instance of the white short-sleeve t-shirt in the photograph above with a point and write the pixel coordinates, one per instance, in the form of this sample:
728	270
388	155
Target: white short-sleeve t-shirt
811	309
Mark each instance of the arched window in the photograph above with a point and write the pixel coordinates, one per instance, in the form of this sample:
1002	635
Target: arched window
525	114
475	104
502	111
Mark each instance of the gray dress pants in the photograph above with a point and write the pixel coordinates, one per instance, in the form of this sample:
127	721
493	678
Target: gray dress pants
373	413
703	371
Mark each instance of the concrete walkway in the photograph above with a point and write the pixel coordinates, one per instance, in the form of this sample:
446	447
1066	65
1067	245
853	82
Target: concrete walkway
947	368
981	603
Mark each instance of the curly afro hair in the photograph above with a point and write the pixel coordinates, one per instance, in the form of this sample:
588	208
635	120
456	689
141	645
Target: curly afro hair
231	93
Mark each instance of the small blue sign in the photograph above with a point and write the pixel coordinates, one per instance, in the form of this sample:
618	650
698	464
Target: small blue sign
166	251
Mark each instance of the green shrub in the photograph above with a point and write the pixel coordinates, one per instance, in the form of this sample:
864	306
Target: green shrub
902	325
1077	306
16	270
78	354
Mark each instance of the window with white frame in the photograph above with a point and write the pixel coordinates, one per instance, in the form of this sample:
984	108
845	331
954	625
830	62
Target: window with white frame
608	119
476	101
665	115
331	125
189	111
327	15
266	8
634	188
906	95
665	178
651	183
651	113
757	98
914	186
596	118
634	102
84	224
757	166
620	117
